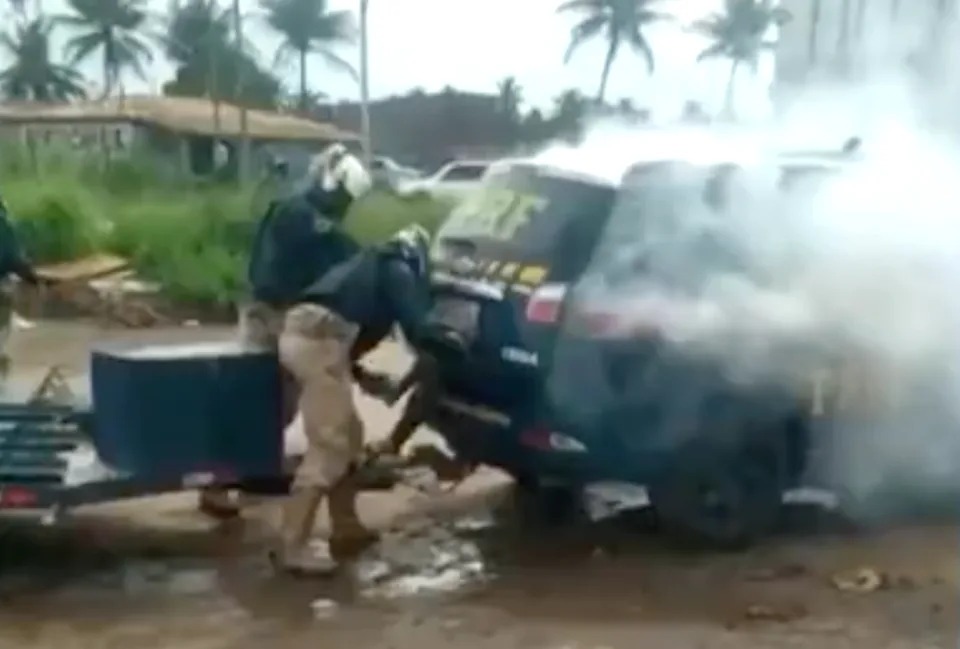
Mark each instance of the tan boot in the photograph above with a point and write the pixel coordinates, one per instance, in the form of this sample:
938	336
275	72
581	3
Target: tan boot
298	518
348	535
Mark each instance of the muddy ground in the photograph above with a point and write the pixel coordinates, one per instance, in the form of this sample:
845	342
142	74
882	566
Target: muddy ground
153	573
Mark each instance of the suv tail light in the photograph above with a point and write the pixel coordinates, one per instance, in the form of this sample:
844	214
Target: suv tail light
608	321
544	304
544	439
14	497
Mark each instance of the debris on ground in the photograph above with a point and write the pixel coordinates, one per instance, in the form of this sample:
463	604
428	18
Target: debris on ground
603	500
777	614
777	573
434	561
101	285
323	609
861	580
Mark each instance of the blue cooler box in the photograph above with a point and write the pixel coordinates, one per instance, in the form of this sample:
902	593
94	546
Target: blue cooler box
166	410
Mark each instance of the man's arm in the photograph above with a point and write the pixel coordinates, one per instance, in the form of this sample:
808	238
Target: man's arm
408	296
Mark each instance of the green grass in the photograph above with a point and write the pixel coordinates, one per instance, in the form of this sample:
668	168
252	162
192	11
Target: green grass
192	238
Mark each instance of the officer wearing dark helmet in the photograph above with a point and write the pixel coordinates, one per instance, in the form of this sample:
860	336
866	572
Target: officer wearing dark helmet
339	318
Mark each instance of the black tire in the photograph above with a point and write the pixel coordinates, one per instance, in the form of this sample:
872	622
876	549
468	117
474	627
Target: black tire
722	499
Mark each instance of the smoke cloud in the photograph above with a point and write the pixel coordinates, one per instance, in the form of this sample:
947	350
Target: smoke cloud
843	270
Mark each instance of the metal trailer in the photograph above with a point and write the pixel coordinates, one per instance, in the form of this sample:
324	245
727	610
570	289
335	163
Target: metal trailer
34	479
37	435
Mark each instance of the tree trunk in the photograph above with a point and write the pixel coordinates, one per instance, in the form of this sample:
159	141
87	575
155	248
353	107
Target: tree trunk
843	40
607	64
815	14
860	21
243	158
108	70
365	87
728	107
303	82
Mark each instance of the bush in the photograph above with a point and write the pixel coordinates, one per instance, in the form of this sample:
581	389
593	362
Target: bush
192	238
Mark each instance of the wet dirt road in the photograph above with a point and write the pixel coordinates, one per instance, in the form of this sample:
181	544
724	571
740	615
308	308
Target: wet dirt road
152	573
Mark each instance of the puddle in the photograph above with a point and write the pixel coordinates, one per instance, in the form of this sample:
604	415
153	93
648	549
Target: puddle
434	562
137	578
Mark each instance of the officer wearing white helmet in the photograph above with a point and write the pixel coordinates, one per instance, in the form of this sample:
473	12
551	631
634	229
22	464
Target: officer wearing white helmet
347	312
298	239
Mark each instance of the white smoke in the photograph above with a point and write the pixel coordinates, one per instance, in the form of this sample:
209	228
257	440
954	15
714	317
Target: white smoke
858	273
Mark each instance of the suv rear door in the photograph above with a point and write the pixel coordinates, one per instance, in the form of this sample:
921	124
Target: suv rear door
502	262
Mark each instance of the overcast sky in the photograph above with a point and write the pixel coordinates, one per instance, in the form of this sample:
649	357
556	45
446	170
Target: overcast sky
472	45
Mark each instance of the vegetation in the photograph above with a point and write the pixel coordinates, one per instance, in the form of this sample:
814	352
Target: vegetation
194	240
32	72
740	33
113	29
620	21
307	26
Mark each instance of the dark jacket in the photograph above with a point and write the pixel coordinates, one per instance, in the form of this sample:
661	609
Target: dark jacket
13	261
376	289
296	242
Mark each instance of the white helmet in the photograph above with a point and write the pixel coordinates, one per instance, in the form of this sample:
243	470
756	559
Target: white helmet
335	166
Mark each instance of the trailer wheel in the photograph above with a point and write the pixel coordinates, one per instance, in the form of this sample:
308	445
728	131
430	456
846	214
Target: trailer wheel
722	499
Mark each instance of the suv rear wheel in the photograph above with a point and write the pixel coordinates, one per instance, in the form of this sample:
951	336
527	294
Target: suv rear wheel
727	499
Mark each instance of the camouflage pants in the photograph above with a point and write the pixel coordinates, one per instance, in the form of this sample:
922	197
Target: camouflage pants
315	349
260	325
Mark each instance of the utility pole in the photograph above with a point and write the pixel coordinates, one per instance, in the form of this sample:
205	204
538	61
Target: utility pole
365	88
244	148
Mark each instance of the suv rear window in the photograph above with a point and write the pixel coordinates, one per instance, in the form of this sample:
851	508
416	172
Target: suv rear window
527	214
668	215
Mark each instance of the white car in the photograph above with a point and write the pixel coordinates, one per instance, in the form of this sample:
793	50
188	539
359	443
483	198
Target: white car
391	172
453	180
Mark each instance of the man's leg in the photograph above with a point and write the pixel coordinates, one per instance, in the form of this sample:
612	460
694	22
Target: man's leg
314	347
418	408
348	535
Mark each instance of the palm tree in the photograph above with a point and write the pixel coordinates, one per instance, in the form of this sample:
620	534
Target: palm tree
816	10
198	29
843	37
510	98
308	26
860	20
739	33
111	27
570	109
619	21
32	74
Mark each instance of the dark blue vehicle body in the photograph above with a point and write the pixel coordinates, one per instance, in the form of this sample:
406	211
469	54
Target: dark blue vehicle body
545	392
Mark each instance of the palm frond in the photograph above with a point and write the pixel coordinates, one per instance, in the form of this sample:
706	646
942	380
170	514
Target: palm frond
582	5
338	62
713	51
583	31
